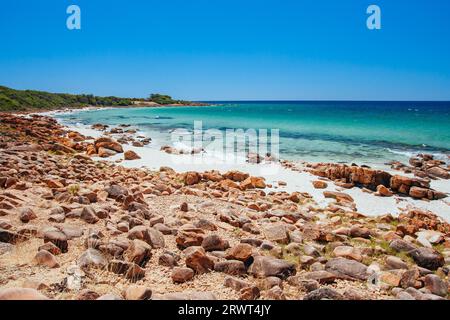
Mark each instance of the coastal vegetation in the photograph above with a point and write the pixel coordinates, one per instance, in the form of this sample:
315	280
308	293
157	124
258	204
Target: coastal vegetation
29	100
23	100
164	99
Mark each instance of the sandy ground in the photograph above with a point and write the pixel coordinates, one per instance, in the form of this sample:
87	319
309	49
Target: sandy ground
368	204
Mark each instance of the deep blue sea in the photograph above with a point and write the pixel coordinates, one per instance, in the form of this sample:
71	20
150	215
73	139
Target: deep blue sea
361	132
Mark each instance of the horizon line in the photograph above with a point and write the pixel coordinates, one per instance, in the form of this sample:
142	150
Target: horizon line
239	100
316	100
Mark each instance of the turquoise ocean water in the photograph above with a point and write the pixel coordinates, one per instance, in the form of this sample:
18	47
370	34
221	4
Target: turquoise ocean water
361	132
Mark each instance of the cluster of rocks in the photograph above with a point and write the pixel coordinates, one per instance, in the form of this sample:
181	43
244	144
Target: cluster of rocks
257	158
380	181
124	136
74	228
424	166
172	150
38	132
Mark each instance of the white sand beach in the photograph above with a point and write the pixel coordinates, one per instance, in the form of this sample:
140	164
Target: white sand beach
366	203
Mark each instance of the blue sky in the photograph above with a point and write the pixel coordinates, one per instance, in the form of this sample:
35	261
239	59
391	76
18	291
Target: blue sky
233	49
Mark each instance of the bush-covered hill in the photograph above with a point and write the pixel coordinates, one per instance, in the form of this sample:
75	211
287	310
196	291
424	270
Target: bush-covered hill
23	100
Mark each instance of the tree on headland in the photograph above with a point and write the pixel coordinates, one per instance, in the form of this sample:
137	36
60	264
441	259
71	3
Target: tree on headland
24	100
161	99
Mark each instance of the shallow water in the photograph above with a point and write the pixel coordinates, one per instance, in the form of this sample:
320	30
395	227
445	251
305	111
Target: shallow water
360	132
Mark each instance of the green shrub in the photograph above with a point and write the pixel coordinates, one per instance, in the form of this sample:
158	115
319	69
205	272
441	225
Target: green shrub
21	100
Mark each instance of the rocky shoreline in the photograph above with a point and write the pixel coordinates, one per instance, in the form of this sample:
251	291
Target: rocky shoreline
76	228
380	181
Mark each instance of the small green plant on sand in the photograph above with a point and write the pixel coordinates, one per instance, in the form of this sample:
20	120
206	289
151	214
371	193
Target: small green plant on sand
440	248
237	232
384	245
73	189
394	222
291	258
52	153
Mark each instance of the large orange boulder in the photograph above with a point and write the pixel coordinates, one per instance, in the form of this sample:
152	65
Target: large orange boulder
108	143
131	155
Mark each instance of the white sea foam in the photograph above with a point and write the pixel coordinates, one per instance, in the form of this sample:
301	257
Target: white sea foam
436	155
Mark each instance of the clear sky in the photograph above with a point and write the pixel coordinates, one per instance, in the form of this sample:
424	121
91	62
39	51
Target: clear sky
229	49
